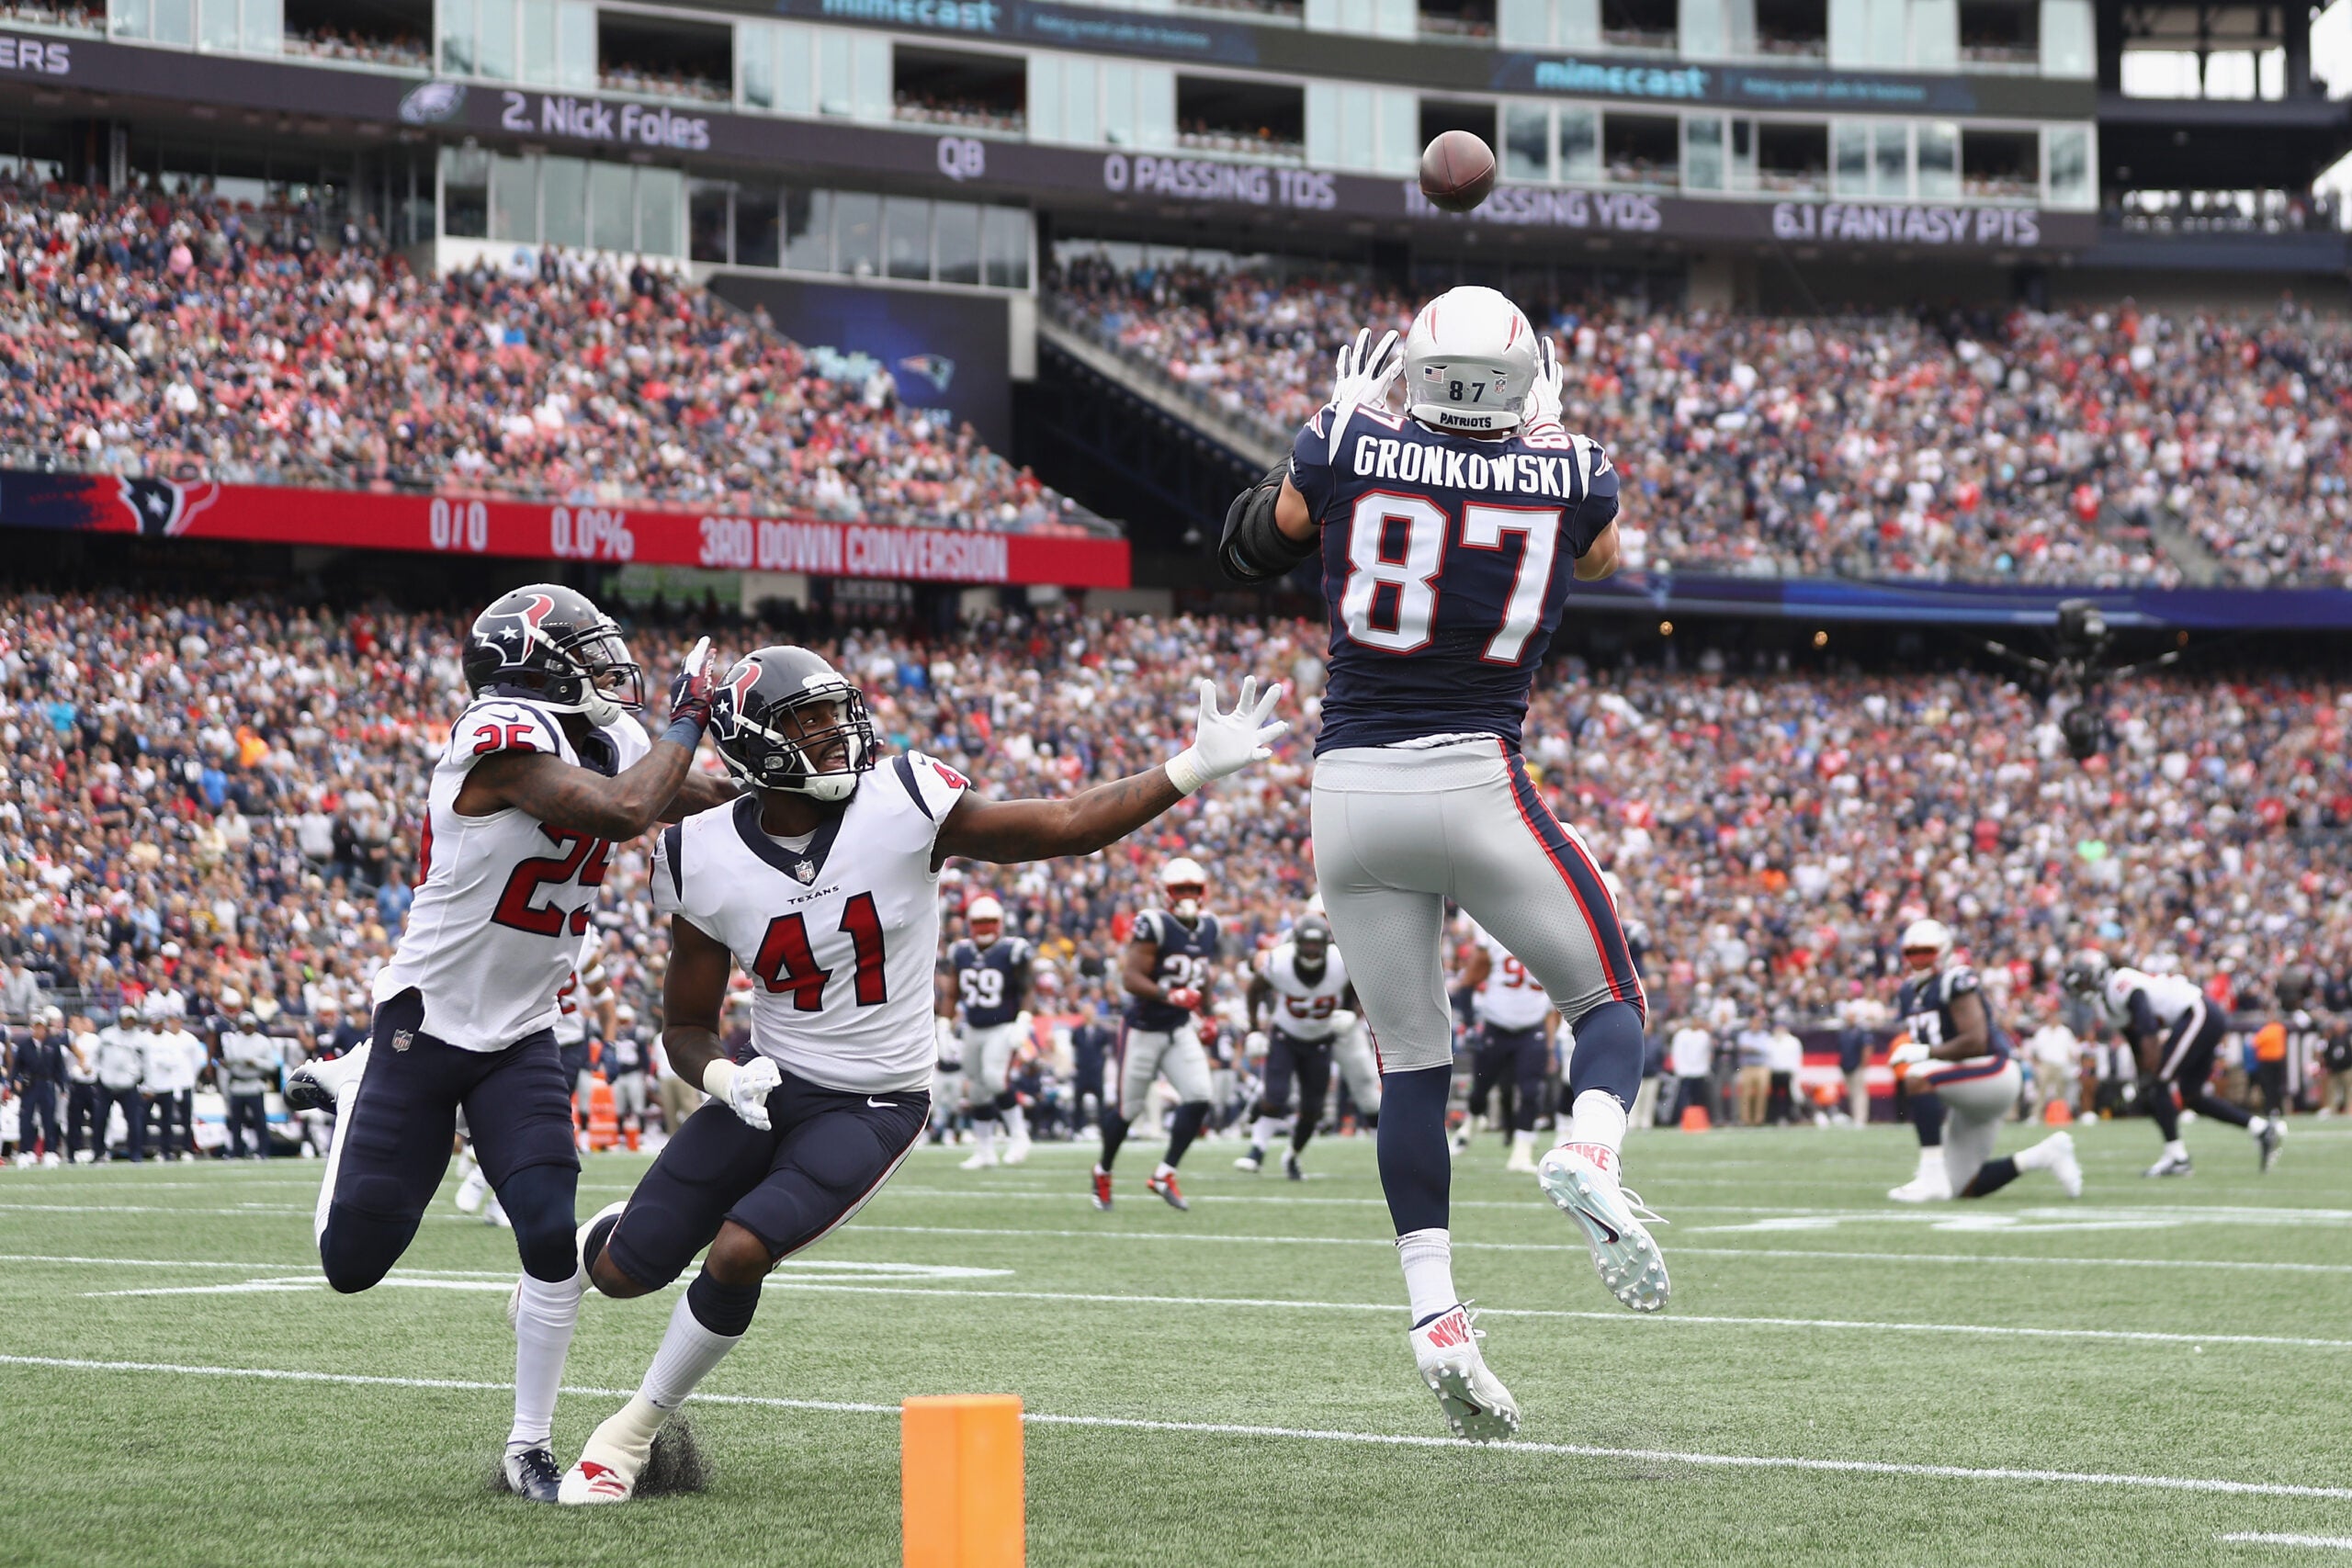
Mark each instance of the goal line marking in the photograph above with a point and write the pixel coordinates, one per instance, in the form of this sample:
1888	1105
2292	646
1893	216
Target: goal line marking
1297	1434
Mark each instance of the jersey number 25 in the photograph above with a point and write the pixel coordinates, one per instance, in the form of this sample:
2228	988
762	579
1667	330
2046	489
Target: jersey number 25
1412	575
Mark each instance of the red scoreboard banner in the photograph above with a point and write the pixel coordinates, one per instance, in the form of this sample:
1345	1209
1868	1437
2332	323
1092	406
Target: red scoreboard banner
459	526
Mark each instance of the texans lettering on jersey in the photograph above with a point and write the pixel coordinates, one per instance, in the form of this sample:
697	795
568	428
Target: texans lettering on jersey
1304	1004
837	934
1187	960
1925	1005
989	979
1445	566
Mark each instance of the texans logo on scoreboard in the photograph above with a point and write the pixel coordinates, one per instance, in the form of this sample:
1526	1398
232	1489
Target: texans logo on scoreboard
165	509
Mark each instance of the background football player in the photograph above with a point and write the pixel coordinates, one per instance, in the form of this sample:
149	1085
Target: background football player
1448	533
991	974
823	884
1169	961
1511	1045
2174	1032
1300	998
1960	1070
545	771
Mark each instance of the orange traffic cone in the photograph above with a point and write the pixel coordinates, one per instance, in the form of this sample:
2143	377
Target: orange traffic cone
1694	1119
604	1122
2058	1114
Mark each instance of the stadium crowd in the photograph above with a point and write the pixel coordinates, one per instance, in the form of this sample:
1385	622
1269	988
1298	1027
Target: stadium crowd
182	338
210	808
2036	447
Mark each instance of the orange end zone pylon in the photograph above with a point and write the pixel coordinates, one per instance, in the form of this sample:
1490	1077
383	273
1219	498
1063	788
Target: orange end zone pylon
960	1481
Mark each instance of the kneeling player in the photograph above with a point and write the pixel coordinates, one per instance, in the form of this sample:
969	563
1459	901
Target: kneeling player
1964	1079
824	886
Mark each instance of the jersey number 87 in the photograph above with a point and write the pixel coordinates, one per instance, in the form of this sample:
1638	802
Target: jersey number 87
1413	574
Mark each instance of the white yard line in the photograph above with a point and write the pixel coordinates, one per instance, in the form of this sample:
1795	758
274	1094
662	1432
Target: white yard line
1295	1434
2263	1538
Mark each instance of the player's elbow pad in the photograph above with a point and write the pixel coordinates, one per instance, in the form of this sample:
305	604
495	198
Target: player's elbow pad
1254	549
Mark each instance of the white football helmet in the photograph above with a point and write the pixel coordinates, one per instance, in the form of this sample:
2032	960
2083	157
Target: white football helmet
1927	936
986	918
1184	884
1470	360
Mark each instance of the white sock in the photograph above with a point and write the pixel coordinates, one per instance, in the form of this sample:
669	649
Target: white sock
1597	1121
1017	1122
344	1098
544	1317
1931	1161
1264	1131
2258	1126
688	1352
984	1134
2176	1149
1162	1171
2039	1158
1427	1257
1522	1141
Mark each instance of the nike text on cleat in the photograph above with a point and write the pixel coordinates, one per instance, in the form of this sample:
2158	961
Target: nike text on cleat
1629	1261
1252	1162
1290	1166
1165	1188
531	1473
1101	1187
2171	1165
2065	1166
1477	1404
589	1481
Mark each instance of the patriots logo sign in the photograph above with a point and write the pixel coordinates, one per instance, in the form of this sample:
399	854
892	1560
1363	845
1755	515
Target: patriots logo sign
936	368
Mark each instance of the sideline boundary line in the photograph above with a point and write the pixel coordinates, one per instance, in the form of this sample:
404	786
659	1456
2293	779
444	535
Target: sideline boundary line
1306	1434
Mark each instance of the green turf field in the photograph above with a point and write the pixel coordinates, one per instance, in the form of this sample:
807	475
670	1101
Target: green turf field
2173	1358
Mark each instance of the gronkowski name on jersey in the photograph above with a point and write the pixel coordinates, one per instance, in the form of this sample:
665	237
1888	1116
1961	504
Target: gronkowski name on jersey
502	901
1187	960
987	988
837	934
1925	1005
1446	563
1303	1007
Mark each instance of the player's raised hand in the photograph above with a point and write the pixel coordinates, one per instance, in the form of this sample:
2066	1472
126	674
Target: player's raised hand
1226	742
694	684
1544	399
743	1088
1362	377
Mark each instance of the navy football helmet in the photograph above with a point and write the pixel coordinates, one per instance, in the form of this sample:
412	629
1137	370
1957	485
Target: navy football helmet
786	719
551	645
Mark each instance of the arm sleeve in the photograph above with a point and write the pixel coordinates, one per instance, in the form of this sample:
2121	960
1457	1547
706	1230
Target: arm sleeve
2143	1016
1598	508
1310	463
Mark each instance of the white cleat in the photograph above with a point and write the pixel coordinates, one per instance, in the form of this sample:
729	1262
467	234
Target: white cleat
2065	1166
494	1214
1477	1404
981	1159
1521	1161
1019	1150
314	1085
2171	1165
471	1190
1928	1187
589	1481
1629	1261
1253	1162
49	1160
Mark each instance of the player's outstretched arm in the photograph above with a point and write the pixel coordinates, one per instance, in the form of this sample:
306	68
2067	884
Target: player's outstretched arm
1008	830
584	801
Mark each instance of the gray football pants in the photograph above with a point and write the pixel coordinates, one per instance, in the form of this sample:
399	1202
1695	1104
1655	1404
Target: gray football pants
1400	831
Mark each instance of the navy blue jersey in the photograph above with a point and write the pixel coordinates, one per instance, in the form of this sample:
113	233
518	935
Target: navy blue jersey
990	980
1187	959
1446	562
1925	1005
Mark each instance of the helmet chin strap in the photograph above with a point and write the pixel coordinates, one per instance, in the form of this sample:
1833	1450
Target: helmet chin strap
599	709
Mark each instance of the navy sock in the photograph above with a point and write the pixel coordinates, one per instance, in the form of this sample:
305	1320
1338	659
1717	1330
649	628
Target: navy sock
1927	1115
2157	1092
1186	1127
1416	1170
1609	1053
722	1309
1990	1177
2220	1109
1114	1132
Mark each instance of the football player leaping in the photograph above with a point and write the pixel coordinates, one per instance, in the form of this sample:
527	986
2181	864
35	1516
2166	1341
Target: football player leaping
992	975
824	886
544	773
1961	1073
1169	960
1446	536
2176	1032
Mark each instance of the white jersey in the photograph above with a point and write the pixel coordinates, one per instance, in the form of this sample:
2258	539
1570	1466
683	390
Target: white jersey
1512	999
2171	997
1303	1007
838	934
175	1057
82	1060
502	901
122	1055
587	983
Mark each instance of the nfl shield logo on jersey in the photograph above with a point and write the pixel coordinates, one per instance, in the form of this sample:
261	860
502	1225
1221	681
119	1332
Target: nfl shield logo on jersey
805	870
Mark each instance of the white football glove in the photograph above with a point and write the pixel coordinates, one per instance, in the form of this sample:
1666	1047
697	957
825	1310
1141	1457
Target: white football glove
1362	378
1908	1055
1226	742
743	1090
1545	397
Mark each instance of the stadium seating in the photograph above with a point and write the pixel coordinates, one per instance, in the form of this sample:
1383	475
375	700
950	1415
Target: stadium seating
183	339
2033	448
227	792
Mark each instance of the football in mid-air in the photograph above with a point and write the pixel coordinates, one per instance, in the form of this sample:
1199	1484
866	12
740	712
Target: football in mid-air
1457	171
